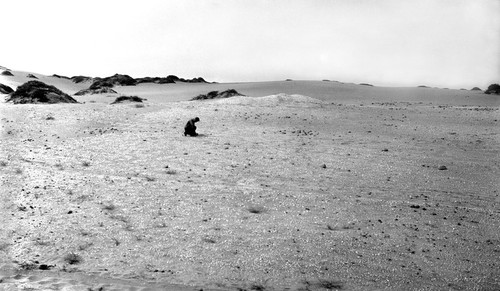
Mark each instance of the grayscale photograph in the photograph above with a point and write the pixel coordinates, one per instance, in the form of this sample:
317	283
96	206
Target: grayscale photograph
240	145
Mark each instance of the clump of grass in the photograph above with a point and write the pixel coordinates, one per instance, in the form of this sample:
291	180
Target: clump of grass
19	171
330	284
139	105
120	218
59	166
86	163
28	265
116	241
109	206
256	209
326	284
3	246
150	179
73	259
209	240
171	172
85	246
50	117
3	164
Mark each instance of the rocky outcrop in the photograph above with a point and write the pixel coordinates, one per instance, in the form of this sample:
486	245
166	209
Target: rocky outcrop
39	92
7	73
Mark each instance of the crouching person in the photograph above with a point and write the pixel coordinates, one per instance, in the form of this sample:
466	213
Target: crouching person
190	128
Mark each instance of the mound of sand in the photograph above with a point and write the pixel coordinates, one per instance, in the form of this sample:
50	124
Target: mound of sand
4	89
217	95
39	92
7	73
282	99
103	90
123	99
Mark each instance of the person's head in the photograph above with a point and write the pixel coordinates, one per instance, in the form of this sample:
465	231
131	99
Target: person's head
196	119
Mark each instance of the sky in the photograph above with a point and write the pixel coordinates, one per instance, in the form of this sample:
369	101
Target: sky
442	43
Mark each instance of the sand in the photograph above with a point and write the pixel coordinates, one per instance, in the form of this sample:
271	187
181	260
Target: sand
326	186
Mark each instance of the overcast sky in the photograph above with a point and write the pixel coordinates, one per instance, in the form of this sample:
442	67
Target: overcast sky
447	43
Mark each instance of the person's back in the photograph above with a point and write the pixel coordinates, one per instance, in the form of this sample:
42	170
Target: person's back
190	128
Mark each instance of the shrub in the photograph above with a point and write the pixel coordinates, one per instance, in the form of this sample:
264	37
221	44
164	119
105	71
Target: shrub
127	98
73	259
493	89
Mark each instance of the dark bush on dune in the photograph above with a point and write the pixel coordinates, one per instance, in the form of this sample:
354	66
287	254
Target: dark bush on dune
39	92
365	84
60	77
122	99
423	86
476	89
7	73
4	89
217	94
79	79
102	90
493	89
99	84
31	76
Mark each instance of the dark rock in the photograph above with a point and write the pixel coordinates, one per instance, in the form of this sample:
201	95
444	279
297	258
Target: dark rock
217	94
365	84
31	76
39	92
7	73
4	89
441	168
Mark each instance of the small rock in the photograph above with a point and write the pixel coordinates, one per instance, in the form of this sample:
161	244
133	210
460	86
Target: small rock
385	150
441	168
324	166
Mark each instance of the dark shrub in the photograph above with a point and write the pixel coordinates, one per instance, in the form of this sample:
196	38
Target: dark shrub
476	89
493	89
79	79
39	92
4	89
31	76
127	98
7	73
217	94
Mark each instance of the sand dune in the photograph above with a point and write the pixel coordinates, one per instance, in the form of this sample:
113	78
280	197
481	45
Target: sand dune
302	186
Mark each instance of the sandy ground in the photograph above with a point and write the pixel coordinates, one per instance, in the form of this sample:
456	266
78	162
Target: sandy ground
366	188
